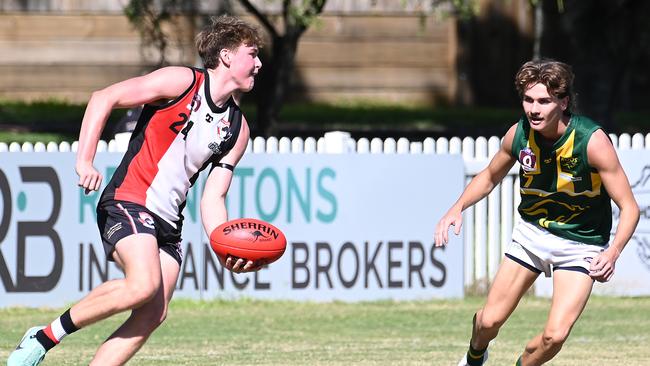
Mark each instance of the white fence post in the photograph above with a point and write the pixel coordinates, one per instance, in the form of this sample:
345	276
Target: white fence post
122	141
455	145
64	146
624	141
320	145
336	142
102	146
376	146
416	147
442	146
259	145
272	145
637	141
27	147
112	146
390	146
403	145
363	146
310	145
39	147
429	146
297	145
284	145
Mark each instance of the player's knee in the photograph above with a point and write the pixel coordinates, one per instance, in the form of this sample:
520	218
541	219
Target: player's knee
488	321
555	337
153	319
142	293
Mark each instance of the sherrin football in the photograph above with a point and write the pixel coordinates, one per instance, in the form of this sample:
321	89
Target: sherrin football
249	239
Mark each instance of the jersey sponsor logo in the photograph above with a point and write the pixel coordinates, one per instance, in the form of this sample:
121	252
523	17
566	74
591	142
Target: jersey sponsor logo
527	159
146	220
570	177
569	164
214	147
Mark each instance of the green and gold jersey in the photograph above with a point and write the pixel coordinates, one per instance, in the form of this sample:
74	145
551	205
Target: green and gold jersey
559	190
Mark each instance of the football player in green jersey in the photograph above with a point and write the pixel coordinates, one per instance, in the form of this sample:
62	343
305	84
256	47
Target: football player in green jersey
569	174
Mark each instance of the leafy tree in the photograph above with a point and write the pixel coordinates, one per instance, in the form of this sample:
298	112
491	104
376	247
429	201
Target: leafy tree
606	41
278	58
608	44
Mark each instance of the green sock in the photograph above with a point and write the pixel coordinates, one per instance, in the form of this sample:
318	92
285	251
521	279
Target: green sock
518	363
475	356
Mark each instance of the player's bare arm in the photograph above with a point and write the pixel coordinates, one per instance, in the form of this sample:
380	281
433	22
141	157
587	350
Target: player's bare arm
480	186
165	83
213	200
603	158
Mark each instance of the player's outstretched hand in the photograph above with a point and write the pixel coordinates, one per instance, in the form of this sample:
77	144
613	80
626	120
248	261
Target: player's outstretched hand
452	218
602	267
89	177
239	265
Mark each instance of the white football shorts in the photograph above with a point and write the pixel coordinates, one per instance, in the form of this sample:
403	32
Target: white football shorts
540	251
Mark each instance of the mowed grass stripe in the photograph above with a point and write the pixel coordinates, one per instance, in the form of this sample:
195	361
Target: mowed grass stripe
248	332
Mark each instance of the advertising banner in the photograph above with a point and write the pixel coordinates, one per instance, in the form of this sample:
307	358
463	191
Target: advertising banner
358	227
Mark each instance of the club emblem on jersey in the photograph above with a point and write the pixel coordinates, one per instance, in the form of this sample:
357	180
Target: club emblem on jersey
527	159
146	220
223	129
223	134
569	164
196	103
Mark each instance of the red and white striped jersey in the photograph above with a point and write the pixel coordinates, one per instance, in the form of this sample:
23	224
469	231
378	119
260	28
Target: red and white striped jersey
171	144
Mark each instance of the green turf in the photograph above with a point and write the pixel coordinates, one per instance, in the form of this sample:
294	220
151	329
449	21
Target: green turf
244	332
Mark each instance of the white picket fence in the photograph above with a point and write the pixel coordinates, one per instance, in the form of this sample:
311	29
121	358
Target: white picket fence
487	225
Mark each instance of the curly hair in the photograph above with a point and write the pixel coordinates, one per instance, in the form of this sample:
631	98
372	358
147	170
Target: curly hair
556	76
224	32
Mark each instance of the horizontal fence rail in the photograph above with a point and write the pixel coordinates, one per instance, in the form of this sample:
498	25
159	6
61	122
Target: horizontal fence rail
487	225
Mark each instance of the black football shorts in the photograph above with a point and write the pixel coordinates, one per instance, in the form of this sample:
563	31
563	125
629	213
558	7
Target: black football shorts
118	219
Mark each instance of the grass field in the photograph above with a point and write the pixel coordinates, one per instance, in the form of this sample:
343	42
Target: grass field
245	332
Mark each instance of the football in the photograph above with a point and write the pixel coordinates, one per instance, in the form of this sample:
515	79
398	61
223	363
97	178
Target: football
249	239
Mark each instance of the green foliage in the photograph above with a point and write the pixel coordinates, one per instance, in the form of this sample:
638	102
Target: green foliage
148	17
306	13
46	114
45	121
60	121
